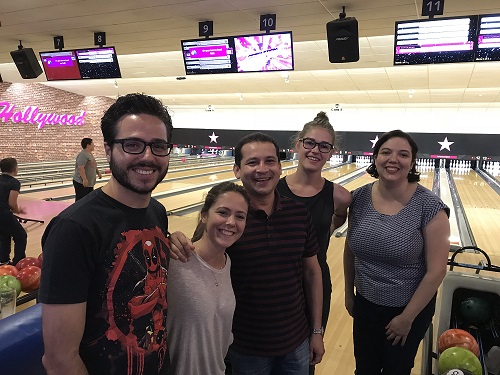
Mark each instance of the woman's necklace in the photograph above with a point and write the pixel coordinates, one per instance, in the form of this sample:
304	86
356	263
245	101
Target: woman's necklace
218	267
215	278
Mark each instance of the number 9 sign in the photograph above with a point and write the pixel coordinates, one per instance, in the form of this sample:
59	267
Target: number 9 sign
206	28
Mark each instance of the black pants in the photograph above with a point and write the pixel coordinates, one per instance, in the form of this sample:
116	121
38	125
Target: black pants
11	228
80	190
375	354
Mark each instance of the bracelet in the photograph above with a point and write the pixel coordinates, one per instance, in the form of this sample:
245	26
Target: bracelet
318	331
335	214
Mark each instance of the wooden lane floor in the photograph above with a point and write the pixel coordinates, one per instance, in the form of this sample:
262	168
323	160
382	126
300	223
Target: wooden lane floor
33	202
339	356
482	208
197	196
66	190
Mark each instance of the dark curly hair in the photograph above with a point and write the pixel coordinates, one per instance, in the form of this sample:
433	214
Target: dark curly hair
133	104
413	175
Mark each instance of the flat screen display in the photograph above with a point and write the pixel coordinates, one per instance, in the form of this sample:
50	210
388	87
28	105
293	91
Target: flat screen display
488	38
60	65
264	52
97	63
238	54
208	56
433	41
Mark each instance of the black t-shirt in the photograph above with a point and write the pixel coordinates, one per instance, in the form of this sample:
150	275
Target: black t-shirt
114	258
7	184
321	208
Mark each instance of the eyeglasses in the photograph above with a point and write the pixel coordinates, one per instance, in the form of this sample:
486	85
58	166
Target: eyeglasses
323	147
137	146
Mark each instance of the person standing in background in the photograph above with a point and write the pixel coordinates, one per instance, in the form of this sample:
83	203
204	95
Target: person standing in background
86	169
201	300
10	227
395	255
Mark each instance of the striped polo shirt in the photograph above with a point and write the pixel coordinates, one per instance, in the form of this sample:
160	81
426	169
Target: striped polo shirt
267	276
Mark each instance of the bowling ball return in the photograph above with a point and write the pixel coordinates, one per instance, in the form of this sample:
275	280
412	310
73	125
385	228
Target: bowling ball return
466	301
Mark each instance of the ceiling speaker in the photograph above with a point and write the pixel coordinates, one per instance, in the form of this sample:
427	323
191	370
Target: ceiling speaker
343	42
26	63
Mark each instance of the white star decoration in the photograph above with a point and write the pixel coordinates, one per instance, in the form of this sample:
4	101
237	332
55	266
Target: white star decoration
213	137
373	141
445	144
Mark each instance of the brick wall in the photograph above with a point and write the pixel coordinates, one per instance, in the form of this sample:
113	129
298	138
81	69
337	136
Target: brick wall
27	143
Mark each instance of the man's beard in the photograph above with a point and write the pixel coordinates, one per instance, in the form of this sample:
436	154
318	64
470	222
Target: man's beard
120	175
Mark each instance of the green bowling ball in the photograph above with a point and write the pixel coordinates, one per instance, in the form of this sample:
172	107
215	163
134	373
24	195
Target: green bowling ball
459	358
476	310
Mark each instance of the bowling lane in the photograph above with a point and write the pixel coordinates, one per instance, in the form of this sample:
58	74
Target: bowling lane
178	173
197	196
482	207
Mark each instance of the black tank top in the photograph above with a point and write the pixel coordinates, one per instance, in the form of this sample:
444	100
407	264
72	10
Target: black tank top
321	208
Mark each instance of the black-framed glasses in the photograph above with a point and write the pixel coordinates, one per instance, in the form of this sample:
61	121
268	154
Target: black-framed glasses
323	147
137	146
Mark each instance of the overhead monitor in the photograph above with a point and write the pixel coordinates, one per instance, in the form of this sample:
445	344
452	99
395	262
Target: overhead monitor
60	65
488	38
238	54
89	63
97	63
436	40
264	52
208	56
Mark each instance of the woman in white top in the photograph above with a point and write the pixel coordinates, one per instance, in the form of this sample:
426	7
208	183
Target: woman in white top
201	301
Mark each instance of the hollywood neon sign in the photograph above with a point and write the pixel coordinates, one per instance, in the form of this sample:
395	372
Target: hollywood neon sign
31	115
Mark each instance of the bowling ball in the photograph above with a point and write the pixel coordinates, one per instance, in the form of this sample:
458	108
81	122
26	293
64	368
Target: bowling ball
183	160
40	260
457	371
457	337
29	278
11	282
28	261
475	310
459	358
7	269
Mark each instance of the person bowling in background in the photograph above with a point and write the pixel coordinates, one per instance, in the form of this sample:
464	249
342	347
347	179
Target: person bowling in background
395	256
103	286
86	169
10	227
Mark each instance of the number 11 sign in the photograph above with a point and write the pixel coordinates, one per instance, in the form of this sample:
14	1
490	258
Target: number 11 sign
432	8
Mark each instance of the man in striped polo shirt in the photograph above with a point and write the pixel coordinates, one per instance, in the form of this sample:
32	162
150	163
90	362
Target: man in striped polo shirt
274	271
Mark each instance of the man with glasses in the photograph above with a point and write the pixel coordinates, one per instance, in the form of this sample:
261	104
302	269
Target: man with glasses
103	287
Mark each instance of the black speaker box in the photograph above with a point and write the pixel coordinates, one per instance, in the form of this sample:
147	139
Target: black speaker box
343	42
26	63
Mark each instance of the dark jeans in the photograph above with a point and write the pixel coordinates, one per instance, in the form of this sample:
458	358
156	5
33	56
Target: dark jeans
375	354
80	190
295	362
11	228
